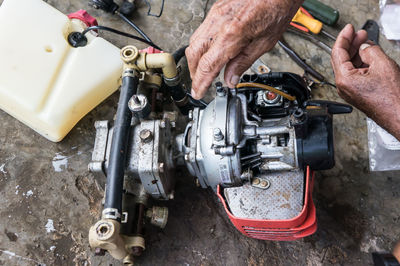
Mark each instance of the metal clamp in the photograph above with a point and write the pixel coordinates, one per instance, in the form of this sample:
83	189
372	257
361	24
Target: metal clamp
111	213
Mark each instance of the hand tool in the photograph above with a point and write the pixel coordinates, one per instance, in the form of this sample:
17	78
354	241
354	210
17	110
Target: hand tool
302	28
322	12
312	38
315	26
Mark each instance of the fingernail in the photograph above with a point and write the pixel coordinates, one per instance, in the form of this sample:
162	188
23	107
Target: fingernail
234	80
364	46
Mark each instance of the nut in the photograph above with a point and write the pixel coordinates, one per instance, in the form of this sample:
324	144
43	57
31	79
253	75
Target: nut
218	134
145	135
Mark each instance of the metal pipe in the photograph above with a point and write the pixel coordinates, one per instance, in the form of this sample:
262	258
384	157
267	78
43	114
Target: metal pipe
116	165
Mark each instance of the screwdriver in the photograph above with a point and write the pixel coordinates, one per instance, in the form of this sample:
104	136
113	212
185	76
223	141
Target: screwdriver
322	12
315	26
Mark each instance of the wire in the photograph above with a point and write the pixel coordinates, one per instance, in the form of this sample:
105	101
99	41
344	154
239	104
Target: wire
133	25
198	103
266	87
120	33
149	10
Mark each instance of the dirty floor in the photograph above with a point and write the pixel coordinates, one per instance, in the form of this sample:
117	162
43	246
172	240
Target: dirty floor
49	200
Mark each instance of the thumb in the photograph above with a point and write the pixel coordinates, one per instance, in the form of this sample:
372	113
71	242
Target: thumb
371	54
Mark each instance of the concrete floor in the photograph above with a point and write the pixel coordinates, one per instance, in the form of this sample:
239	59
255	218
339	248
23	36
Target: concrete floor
45	214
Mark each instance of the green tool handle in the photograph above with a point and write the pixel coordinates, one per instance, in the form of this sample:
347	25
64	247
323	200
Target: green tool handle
322	12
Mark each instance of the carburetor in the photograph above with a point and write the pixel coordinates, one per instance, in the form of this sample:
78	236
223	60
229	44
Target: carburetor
255	145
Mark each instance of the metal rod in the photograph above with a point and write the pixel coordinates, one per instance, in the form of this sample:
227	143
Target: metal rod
250	156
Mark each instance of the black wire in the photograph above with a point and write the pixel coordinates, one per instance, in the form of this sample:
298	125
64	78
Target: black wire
133	25
120	33
149	10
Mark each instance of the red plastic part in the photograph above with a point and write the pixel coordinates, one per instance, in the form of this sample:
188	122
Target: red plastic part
151	50
303	225
84	16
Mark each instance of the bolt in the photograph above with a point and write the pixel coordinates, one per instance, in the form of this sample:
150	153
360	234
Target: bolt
99	252
265	184
220	90
161	167
145	135
256	181
135	99
218	134
187	157
162	123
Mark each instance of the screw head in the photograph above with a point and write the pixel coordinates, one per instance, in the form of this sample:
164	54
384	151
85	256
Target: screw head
145	135
256	181
218	134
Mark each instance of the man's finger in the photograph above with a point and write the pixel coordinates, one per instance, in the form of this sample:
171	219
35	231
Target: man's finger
238	65
359	38
371	54
340	58
211	63
193	54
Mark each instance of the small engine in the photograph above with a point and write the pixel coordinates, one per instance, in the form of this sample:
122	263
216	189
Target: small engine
255	145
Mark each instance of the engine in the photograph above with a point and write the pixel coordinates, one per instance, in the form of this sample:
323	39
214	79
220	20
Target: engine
255	145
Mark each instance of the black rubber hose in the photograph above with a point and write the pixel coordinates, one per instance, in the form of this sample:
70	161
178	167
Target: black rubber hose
133	25
179	54
119	145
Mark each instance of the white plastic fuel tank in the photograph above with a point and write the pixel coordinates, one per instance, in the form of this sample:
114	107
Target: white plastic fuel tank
44	82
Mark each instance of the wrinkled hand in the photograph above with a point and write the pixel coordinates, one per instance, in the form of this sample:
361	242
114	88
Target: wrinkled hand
367	78
235	33
396	251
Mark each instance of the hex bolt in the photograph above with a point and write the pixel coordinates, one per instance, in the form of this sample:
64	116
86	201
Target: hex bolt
218	134
219	89
256	181
161	167
145	135
136	100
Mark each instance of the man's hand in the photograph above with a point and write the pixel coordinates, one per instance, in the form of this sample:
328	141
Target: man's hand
367	78
235	33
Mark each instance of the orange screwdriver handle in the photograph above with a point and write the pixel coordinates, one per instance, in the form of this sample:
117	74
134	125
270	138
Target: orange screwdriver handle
315	26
